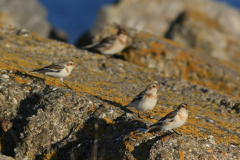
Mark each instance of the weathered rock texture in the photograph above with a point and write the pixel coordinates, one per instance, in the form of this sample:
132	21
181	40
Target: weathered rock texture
172	59
88	120
206	25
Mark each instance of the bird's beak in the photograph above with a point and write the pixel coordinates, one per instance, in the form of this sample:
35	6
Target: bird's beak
158	87
75	65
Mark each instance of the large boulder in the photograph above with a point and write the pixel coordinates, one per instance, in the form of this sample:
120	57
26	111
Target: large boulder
28	14
50	121
175	60
206	25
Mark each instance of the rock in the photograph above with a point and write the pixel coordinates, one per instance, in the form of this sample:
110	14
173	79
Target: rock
27	14
58	34
174	60
3	157
50	121
205	25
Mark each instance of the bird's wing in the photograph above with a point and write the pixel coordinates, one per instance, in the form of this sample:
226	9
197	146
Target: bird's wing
107	42
50	68
137	98
168	118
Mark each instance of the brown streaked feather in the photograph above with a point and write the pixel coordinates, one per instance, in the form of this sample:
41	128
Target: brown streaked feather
151	96
168	118
50	68
170	115
55	67
107	41
67	70
122	42
181	117
139	96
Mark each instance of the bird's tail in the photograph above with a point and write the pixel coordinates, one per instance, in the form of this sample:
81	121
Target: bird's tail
152	128
38	71
88	46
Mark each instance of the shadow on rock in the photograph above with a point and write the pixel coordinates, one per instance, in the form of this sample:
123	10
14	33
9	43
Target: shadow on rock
142	151
97	138
28	107
116	104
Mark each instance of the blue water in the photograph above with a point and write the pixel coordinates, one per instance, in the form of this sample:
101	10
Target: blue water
77	16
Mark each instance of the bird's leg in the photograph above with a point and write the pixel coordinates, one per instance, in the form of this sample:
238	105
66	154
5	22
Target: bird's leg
61	79
139	114
149	115
176	132
44	79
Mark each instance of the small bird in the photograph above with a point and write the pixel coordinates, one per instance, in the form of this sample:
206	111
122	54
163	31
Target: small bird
172	120
146	100
57	70
110	45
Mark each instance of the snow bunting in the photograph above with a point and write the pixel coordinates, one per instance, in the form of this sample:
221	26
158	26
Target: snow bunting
146	100
57	70
172	120
110	45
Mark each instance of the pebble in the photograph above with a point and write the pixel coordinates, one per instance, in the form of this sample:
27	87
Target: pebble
5	76
212	141
15	101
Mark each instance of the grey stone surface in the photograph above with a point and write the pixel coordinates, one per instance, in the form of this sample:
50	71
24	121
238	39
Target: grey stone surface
51	121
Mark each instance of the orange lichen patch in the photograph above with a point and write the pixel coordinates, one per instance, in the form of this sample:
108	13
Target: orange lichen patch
103	83
92	108
136	135
156	45
8	67
166	138
187	63
20	80
51	155
31	155
224	154
128	54
193	72
231	65
203	124
190	130
79	94
127	145
67	95
173	43
108	121
181	154
143	36
209	151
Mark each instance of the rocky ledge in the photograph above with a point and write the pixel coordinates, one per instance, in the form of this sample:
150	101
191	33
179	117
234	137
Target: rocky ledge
50	121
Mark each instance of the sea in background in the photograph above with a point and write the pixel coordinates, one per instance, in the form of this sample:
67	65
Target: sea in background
75	17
